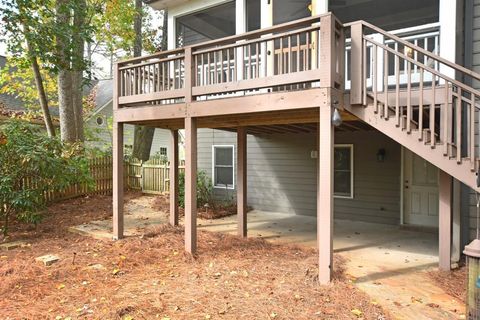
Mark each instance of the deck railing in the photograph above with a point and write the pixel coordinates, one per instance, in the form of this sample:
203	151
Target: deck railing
448	121
424	36
298	54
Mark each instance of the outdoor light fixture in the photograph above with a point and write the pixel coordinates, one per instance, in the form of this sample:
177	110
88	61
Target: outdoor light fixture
336	117
408	52
381	155
472	251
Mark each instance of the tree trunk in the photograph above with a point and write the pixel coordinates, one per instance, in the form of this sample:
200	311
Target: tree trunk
78	63
68	131
42	96
143	136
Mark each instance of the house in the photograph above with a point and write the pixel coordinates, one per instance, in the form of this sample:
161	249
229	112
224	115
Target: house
260	87
98	123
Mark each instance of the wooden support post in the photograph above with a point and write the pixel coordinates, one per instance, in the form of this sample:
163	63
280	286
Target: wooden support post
445	221
190	185
174	178
356	61
456	223
117	180
117	146
325	195
242	181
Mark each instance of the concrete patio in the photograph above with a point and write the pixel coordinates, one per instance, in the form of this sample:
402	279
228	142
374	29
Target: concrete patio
387	262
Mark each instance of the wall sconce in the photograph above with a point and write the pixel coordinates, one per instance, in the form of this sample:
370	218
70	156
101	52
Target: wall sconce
408	51
381	155
336	117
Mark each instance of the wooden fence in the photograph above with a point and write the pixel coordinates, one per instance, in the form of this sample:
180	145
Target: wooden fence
152	176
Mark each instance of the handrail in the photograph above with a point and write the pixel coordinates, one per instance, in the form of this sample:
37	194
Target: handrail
151	56
417	48
425	67
256	40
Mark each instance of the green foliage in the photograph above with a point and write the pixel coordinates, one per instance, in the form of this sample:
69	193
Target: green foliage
204	189
32	163
17	79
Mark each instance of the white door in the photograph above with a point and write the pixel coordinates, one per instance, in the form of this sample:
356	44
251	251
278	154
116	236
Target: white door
420	191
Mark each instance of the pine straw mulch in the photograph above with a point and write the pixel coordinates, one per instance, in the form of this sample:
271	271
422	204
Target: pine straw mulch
454	282
151	277
162	203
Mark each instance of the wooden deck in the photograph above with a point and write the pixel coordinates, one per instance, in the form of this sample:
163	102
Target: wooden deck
291	78
297	65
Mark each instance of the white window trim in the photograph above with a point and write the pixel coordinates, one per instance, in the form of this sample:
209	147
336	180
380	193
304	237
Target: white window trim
232	187
351	170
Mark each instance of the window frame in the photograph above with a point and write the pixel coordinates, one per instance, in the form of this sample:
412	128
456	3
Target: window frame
351	196
229	187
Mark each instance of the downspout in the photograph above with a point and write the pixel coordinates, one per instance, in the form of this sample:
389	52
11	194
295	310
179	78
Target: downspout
468	63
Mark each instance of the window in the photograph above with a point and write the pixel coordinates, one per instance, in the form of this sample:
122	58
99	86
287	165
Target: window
209	24
163	151
343	171
223	168
99	121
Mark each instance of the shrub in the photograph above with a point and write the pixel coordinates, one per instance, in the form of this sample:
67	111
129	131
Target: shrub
204	189
30	164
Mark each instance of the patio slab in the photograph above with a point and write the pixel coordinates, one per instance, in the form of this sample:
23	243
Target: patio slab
387	262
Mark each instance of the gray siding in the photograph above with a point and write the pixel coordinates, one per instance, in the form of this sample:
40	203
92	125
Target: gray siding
476	67
282	175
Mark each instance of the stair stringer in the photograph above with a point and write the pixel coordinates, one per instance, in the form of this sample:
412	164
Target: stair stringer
460	171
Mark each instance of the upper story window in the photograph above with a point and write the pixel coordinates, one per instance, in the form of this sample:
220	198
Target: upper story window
288	10
387	14
209	24
253	14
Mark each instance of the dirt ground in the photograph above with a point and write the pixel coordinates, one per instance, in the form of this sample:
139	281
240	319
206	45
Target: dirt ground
453	282
150	277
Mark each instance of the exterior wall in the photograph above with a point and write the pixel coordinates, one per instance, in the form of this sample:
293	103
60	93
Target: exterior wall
282	174
475	61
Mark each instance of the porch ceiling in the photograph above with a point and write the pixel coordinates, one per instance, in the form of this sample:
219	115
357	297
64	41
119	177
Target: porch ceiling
287	121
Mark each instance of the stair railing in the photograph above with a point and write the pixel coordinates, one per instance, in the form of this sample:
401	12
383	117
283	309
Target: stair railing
441	108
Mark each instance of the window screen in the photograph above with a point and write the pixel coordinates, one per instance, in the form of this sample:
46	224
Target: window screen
223	170
343	171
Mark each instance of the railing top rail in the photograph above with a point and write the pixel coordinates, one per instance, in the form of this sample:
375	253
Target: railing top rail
157	55
425	67
256	40
433	56
146	63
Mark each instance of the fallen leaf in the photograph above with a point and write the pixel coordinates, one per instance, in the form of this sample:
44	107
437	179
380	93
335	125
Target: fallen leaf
273	315
356	312
115	271
60	286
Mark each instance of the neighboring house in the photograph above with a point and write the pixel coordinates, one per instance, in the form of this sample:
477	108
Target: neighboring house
404	136
99	123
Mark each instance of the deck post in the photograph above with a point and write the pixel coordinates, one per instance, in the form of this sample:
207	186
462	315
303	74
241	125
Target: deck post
456	223
356	60
117	150
173	176
190	185
445	221
242	181
118	180
325	195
